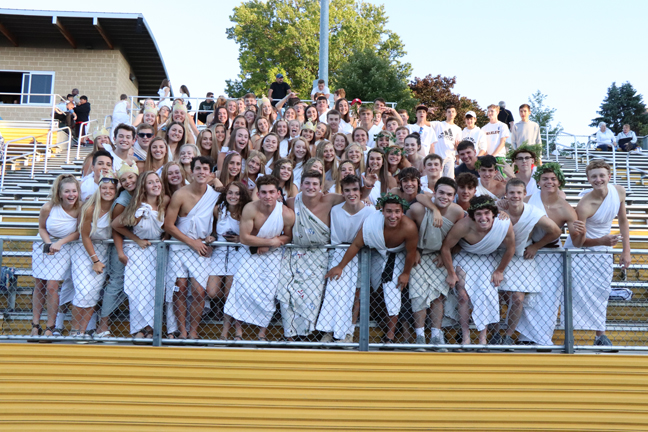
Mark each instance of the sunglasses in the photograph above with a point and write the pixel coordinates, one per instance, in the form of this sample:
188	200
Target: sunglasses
109	180
145	135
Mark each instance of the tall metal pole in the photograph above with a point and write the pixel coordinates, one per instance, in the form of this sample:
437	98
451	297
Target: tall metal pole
324	40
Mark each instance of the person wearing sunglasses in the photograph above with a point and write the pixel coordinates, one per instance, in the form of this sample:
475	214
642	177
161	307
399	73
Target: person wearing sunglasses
143	137
102	162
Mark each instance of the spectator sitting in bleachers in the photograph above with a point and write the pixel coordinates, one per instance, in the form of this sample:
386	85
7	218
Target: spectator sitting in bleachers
64	113
82	111
604	138
627	140
120	112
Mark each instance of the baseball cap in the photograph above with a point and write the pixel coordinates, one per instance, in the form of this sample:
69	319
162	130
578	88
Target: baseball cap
421	107
279	75
471	114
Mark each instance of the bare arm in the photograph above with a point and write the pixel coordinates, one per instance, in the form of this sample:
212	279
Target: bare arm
117	236
509	243
247	225
97	265
42	222
352	251
624	228
426	201
411	241
169	225
451	240
552	232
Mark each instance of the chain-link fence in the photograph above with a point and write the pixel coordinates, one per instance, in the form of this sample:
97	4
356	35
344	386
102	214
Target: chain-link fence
165	293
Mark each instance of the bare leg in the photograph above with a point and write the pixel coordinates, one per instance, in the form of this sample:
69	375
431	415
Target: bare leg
437	312
180	301
419	318
38	301
482	336
81	317
262	332
515	312
391	326
104	324
356	307
52	302
227	320
197	307
464	313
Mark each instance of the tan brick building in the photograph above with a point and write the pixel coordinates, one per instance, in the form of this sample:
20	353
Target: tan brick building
52	52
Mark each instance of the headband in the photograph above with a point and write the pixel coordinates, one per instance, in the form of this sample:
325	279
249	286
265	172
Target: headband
309	126
380	202
487	203
553	167
387	134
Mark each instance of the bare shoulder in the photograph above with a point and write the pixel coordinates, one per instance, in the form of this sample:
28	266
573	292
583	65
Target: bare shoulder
47	207
622	192
166	201
249	211
455	212
288	216
409	225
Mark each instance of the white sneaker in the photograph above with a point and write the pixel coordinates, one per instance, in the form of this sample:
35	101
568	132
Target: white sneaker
636	151
438	340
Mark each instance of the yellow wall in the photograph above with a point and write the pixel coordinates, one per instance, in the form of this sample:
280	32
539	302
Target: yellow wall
102	75
115	388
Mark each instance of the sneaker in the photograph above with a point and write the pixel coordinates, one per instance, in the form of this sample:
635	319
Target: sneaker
103	337
636	151
348	338
58	332
438	340
327	338
496	339
602	341
508	340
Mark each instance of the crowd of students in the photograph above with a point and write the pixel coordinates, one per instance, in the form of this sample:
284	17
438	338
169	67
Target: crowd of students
264	176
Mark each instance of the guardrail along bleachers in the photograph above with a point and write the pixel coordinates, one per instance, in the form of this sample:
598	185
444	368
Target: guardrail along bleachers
23	197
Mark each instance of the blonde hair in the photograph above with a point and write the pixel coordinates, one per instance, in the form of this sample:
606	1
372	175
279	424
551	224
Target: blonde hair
338	177
95	202
199	142
139	195
262	161
292	155
58	185
319	153
596	164
345	156
168	188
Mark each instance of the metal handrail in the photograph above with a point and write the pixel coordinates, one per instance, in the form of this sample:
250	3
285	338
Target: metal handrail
4	157
83	127
50	138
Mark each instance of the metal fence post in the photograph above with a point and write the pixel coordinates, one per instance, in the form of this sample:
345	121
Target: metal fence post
160	274
567	309
365	289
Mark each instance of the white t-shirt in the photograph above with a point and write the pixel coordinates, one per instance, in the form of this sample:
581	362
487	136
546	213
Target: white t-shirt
494	133
345	127
477	137
446	135
375	130
427	137
88	187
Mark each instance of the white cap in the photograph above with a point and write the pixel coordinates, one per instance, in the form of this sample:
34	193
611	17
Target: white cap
471	114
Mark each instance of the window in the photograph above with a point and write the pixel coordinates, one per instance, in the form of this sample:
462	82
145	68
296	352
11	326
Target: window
34	83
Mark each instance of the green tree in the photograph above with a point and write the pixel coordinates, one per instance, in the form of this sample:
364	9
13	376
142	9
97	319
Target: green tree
436	92
283	35
367	75
623	105
544	115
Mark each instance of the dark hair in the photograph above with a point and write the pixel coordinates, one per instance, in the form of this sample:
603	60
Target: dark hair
209	94
482	201
465	144
515	182
379	100
101	153
524	149
466	180
451	107
525	106
333	112
85	98
69	95
312	174
322	98
185	90
410	173
123	96
488	161
349	180
143	126
321	81
125	127
249	95
416	136
267	180
203	160
445	181
244	198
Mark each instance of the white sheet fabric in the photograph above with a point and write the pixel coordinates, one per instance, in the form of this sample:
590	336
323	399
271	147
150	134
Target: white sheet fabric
252	297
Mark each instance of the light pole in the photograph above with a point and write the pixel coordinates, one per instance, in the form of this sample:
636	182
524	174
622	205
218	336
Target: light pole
324	39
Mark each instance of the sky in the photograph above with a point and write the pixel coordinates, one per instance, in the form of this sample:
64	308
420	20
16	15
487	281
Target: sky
571	51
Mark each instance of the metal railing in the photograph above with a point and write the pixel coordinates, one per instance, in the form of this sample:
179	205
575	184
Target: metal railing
33	153
569	268
50	144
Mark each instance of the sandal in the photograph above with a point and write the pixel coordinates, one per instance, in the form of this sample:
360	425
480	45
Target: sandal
263	339
238	338
48	336
38	329
174	335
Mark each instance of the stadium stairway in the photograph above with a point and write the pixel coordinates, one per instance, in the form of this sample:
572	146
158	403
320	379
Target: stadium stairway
22	198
